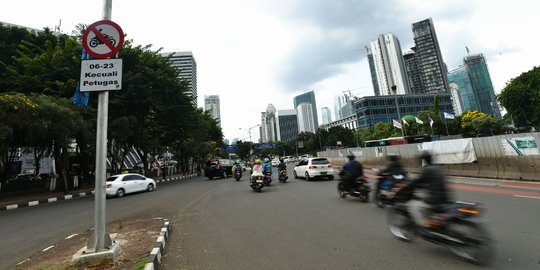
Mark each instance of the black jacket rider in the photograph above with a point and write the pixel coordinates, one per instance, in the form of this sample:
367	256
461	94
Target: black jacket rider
433	180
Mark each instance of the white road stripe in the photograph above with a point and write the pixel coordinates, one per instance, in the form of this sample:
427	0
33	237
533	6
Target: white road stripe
71	236
528	197
48	248
32	203
23	261
52	200
11	207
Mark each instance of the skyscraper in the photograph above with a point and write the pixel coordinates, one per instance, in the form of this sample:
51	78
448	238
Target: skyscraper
211	103
414	77
457	102
287	123
460	78
428	57
269	124
343	106
326	115
309	98
305	117
481	84
389	66
185	63
373	73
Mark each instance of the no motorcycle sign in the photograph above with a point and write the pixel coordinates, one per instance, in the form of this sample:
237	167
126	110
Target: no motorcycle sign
103	39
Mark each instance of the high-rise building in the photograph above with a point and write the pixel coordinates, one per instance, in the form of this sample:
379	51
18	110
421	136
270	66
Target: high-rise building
185	63
305	117
481	83
428	57
287	123
309	98
373	73
211	103
460	78
343	106
326	115
414	77
457	102
269	125
389	65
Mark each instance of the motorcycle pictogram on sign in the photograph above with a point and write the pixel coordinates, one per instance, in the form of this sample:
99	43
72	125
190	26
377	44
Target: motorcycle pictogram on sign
103	39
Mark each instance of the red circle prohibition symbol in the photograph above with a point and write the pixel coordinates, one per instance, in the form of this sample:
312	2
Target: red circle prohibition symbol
102	39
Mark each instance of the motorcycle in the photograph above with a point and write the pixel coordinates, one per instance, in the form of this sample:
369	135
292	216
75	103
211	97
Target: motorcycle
283	176
257	182
384	185
237	174
267	178
457	227
361	189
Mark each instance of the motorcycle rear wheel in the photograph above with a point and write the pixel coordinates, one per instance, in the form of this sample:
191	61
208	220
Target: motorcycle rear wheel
478	250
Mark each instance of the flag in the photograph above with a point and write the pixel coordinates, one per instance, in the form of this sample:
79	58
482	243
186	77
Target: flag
448	115
80	98
396	124
405	122
419	121
430	120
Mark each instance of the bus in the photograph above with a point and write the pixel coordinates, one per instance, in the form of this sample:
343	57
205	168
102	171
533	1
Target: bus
398	140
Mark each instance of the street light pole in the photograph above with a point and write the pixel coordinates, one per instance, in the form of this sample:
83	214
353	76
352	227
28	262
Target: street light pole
394	89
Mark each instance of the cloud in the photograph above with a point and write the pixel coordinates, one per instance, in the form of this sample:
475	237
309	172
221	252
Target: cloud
334	33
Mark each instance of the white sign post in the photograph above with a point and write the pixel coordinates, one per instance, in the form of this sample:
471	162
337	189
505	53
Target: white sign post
101	75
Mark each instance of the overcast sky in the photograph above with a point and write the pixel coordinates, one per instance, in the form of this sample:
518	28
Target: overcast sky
255	52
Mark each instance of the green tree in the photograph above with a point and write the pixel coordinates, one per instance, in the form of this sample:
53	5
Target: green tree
467	127
521	97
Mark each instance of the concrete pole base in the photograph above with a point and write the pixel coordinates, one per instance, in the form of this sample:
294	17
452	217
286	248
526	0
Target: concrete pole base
81	259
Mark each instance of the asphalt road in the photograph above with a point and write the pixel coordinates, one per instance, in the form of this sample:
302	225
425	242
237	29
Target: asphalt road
222	224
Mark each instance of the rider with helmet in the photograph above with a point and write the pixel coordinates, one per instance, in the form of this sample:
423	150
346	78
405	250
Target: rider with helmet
437	194
351	171
394	169
257	169
267	168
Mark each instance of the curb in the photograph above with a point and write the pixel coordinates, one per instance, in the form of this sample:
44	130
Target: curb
48	200
73	196
155	255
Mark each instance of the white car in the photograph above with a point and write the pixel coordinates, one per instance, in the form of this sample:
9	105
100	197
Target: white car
275	162
121	184
311	168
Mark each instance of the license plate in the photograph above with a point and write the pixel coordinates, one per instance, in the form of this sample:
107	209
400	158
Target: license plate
323	173
259	181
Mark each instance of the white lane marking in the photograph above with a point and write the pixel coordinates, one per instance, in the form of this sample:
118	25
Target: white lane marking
47	248
528	197
71	236
68	197
32	203
23	261
52	200
11	207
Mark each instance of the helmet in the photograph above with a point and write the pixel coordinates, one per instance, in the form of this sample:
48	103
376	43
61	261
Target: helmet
258	162
266	160
426	156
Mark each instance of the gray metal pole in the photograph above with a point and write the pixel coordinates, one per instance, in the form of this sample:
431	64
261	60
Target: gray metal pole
101	240
394	88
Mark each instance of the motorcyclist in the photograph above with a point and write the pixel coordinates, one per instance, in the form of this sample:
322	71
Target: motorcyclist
236	165
267	168
281	166
437	194
350	172
257	169
395	168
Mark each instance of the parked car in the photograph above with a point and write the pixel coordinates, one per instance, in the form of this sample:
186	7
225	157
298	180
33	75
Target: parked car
121	184
311	168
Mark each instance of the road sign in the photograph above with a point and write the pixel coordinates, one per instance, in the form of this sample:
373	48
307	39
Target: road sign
263	146
101	75
103	39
